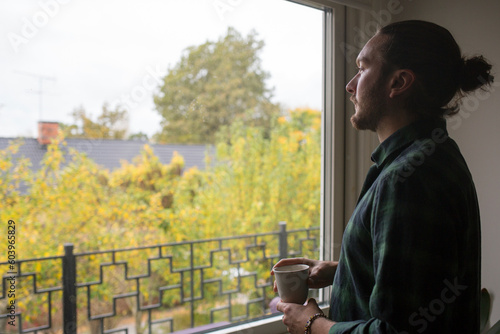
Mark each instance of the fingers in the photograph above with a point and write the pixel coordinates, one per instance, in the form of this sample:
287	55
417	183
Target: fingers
311	283
295	315
312	301
312	304
287	262
280	306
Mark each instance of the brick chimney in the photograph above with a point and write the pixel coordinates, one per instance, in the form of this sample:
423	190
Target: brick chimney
47	131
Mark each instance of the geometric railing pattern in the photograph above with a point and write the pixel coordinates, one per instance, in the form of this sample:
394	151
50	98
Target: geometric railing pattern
213	281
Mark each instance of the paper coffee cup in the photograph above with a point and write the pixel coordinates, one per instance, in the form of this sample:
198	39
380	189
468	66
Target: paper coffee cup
292	283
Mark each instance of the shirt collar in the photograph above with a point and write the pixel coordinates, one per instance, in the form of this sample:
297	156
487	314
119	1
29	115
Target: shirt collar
406	135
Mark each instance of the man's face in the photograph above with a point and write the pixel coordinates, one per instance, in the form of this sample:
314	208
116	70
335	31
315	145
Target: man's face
369	87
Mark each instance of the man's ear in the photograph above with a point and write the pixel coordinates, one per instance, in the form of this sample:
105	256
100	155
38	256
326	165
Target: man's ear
401	82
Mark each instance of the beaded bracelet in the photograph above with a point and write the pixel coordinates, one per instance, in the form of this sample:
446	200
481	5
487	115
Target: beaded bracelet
311	320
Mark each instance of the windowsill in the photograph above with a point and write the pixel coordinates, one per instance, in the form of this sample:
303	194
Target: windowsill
263	326
267	325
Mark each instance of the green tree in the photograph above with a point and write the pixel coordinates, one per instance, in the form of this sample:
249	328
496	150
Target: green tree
139	136
213	85
110	124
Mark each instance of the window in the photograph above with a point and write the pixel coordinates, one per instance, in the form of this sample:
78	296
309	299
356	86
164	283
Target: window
224	112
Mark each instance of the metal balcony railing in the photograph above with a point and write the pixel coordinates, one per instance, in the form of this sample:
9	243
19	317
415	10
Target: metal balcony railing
214	275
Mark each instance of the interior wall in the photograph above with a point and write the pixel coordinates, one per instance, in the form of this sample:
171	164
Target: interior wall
476	27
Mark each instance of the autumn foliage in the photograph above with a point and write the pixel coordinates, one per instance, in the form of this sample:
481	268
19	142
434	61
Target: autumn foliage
253	181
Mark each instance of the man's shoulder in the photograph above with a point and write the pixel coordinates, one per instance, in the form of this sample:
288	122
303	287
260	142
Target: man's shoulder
428	160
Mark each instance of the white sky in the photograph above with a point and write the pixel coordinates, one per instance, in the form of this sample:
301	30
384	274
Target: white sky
101	50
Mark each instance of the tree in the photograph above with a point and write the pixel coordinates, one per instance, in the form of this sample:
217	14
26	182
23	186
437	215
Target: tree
139	136
253	182
213	85
111	124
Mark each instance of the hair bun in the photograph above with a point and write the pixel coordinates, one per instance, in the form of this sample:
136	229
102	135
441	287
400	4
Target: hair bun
475	73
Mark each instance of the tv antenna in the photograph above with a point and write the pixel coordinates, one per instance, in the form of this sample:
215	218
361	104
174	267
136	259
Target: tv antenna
40	91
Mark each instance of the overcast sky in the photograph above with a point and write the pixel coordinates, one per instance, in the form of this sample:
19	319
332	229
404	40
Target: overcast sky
94	51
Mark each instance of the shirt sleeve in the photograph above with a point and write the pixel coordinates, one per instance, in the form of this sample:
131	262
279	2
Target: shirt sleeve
370	326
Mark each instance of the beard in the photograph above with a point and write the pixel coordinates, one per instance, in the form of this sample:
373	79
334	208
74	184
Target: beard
371	110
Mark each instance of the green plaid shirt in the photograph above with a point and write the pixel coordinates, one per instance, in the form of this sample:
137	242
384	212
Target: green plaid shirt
410	259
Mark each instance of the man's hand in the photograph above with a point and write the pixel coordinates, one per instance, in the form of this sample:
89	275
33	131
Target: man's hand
320	272
296	316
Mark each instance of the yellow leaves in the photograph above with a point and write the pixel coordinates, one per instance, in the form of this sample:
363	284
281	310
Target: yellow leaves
4	165
44	187
308	112
239	146
180	237
101	211
314	113
148	150
316	124
298	135
177	160
222	150
12	149
256	181
155	200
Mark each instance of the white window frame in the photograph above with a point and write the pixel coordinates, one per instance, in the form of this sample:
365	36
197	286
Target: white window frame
333	153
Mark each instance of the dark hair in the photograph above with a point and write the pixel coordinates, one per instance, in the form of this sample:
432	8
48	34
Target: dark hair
443	76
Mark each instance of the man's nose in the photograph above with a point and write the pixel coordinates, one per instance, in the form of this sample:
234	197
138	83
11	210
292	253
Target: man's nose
351	86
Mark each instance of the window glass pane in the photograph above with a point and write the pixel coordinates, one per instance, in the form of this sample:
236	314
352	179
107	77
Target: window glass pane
166	141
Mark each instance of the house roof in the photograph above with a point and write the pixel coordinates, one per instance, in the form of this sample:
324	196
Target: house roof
109	153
